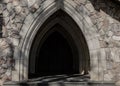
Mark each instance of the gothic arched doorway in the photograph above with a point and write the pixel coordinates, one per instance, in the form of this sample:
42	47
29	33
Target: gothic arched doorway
55	56
58	48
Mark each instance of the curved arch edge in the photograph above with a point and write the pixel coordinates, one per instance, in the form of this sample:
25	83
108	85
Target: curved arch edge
27	29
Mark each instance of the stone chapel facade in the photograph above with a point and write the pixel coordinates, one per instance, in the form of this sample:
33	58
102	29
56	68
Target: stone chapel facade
89	29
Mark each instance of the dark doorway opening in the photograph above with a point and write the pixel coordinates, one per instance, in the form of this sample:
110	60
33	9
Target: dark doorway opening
59	47
55	56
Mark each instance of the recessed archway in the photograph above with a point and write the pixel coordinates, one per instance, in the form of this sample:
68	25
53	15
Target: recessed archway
33	23
56	56
72	51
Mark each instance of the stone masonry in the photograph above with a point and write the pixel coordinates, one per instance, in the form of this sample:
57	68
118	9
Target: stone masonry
105	16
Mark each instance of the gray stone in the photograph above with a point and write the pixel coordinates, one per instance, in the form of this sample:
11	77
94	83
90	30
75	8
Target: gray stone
1	8
23	3
31	2
19	19
103	44
117	38
2	71
111	21
115	27
4	66
105	25
116	43
83	10
24	12
16	2
8	72
94	18
117	83
18	26
12	15
99	24
8	26
90	7
5	33
110	33
5	13
6	20
10	6
80	1
117	33
14	33
36	6
108	76
18	9
15	40
5	54
6	1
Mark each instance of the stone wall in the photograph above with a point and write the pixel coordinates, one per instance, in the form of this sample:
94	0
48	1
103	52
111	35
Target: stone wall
105	16
107	19
6	60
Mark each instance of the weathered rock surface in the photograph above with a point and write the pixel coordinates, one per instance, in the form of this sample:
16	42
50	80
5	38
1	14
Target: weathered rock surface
5	60
105	16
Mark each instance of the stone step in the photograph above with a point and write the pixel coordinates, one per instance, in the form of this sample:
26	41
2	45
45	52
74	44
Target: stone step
60	80
61	84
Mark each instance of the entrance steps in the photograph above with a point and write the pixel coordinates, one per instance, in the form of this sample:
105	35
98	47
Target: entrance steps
60	80
61	84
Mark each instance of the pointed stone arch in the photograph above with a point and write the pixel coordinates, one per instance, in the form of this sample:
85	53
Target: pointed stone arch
62	23
34	21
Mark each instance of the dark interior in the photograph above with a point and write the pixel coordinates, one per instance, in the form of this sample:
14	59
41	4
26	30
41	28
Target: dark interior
55	56
56	52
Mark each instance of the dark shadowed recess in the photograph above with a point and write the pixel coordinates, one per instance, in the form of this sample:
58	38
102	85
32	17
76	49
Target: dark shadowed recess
60	49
